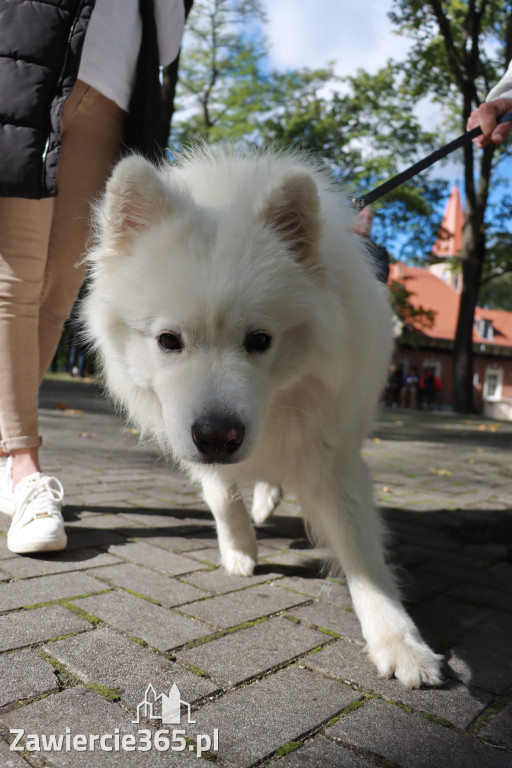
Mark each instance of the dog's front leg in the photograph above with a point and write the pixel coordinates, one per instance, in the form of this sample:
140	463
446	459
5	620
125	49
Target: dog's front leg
343	516
237	542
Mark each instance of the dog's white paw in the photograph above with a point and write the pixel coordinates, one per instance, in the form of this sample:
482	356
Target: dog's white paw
409	659
265	500
238	563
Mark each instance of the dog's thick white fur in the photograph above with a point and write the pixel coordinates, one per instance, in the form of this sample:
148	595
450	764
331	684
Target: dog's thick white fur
239	321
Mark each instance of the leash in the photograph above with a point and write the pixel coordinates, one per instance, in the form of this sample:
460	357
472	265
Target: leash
361	202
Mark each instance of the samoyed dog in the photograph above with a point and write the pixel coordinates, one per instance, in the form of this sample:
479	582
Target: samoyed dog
239	321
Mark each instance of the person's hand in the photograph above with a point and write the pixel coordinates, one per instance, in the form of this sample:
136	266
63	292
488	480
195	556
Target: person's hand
486	117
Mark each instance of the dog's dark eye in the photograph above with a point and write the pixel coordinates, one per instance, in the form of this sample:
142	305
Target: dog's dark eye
258	341
170	342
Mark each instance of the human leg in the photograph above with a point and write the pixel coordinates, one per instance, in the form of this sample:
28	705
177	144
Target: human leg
92	134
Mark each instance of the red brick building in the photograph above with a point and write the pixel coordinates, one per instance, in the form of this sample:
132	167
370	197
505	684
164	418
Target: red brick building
433	346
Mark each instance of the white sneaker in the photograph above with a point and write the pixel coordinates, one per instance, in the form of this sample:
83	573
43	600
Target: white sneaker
37	524
7	504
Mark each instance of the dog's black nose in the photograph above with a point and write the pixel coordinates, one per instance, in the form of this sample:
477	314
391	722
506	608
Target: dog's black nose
217	438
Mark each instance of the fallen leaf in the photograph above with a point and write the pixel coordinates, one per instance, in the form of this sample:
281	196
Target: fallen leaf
441	472
131	431
399	423
387	489
376	440
62	407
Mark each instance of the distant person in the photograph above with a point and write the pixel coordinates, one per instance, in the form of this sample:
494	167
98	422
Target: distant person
76	345
429	388
409	393
393	387
378	254
497	104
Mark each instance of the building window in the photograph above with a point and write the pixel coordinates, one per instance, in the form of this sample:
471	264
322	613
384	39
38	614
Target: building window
493	383
484	329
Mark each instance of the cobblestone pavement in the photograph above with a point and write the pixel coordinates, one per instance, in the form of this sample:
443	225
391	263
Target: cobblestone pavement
273	665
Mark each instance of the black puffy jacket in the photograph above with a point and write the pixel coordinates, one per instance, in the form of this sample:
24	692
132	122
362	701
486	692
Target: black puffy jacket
40	47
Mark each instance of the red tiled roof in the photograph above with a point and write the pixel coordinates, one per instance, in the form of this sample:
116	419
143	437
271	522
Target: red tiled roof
429	292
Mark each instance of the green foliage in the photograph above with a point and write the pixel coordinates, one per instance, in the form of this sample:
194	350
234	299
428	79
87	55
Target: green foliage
413	318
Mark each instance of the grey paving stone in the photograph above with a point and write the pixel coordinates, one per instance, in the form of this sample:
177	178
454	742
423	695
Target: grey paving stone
443	616
324	589
219	581
165	590
257	719
110	659
174	543
16	594
84	712
326	616
483	658
210	553
248	604
158	626
10	759
35	626
495	598
411	740
68	560
24	674
454	701
154	557
322	752
244	654
499	729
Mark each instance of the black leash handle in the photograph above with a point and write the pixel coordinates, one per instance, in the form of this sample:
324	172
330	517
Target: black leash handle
383	189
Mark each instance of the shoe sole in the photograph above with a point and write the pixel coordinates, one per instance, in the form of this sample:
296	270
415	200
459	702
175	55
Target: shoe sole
38	545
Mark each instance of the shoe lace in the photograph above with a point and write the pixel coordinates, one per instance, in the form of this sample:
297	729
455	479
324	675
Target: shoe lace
44	493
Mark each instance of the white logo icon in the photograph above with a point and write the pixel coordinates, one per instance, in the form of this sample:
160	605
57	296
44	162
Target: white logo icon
166	708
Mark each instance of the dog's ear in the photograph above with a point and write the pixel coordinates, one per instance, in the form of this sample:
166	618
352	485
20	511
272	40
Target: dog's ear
135	198
292	209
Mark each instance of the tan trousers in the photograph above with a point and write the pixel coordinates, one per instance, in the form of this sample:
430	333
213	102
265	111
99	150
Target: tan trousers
41	242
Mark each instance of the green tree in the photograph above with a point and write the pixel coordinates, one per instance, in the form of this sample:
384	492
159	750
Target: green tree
221	82
460	49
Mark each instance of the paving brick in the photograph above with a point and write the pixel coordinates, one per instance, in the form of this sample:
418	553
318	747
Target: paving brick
159	559
10	759
158	626
324	589
210	553
326	616
35	626
453	702
165	590
220	581
24	674
491	668
46	588
443	616
411	740
499	729
84	712
249	652
68	560
248	604
257	719
322	752
110	659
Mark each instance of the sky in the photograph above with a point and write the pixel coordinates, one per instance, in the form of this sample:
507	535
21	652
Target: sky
310	33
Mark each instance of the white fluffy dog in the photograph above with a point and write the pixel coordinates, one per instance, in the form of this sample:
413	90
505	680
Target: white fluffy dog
238	320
